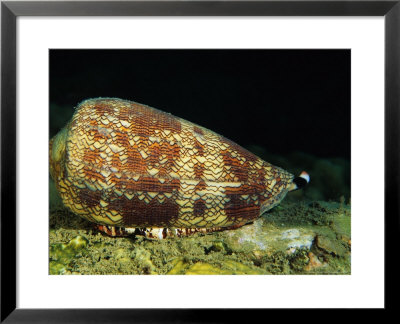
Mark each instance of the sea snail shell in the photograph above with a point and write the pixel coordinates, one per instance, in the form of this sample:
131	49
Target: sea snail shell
124	164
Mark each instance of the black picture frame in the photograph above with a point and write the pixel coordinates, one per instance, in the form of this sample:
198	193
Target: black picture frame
10	10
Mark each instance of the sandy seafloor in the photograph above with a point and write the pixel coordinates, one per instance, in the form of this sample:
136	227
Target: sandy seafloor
306	234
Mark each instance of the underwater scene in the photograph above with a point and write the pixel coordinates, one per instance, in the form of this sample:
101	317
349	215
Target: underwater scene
202	162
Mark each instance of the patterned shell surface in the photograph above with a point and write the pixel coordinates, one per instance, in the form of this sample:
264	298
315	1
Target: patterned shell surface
125	164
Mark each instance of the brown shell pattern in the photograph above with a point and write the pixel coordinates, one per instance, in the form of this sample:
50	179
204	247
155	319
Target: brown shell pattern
125	164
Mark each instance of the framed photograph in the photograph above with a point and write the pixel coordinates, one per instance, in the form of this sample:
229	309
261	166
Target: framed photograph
246	149
144	173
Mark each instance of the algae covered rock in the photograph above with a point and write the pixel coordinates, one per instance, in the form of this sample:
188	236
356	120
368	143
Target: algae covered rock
330	246
61	255
266	238
225	268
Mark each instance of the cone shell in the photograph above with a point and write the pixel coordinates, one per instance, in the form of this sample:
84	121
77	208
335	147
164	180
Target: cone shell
125	164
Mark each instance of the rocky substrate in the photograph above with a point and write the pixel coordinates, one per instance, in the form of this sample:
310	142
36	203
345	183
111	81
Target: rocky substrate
293	238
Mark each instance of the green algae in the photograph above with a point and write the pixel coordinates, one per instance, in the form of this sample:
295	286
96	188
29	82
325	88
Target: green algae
201	268
62	255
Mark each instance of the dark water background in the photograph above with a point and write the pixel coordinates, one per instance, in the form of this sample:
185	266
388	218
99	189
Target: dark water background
290	105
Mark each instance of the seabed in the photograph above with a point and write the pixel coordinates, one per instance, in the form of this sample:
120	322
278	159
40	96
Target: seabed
299	236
